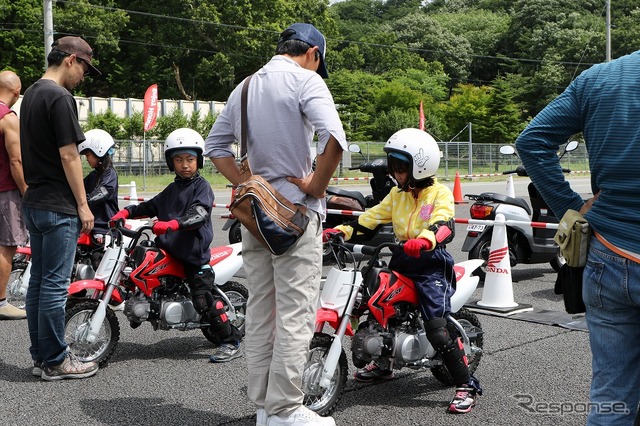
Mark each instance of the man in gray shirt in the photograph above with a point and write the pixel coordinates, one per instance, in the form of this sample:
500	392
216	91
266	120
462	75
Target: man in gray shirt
287	102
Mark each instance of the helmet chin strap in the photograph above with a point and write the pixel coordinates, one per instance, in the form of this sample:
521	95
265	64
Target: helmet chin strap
406	187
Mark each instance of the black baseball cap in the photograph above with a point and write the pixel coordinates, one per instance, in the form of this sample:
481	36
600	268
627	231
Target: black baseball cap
312	36
72	45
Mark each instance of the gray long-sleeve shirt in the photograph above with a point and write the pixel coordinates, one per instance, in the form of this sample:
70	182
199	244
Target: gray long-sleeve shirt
285	105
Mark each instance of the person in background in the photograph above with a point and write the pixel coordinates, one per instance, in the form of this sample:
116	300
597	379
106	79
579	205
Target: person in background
603	104
12	187
184	230
55	207
287	101
101	184
422	211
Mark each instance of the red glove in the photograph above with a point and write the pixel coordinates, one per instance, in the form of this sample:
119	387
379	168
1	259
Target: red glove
414	246
329	233
121	215
161	228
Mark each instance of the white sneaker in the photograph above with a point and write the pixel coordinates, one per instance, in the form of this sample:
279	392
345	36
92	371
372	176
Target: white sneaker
261	417
302	416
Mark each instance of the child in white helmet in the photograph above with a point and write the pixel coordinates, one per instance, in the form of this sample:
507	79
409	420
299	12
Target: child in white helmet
101	185
184	207
422	211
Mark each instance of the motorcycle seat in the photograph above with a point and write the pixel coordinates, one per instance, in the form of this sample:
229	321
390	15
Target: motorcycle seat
334	190
501	198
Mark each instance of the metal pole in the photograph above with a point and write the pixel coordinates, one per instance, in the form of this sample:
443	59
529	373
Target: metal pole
144	161
608	30
470	151
48	28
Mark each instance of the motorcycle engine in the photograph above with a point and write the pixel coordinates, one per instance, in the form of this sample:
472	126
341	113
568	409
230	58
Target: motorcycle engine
412	346
370	342
137	310
178	312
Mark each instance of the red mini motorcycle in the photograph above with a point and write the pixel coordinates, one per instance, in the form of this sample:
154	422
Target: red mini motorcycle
152	286
379	309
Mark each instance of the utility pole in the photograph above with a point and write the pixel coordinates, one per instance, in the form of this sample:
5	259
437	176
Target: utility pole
608	29
48	28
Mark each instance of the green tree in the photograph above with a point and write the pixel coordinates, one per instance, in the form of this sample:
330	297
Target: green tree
107	121
468	104
435	43
483	30
168	123
354	96
503	116
389	122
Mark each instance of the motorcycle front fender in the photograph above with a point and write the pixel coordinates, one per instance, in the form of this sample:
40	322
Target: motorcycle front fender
327	316
77	287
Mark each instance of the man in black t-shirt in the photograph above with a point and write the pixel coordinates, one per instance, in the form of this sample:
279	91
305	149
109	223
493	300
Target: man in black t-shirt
55	204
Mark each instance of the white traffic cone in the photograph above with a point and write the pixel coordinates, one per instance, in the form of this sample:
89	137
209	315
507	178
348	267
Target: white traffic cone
133	193
511	192
497	296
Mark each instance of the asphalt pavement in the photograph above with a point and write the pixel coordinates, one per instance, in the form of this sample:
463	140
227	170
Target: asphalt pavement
531	374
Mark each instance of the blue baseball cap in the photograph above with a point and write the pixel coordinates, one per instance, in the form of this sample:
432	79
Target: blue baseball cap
310	35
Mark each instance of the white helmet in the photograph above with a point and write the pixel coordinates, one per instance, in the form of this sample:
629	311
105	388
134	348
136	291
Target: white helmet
184	140
97	141
418	148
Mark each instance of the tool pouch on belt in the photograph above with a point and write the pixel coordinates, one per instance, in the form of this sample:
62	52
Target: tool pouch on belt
573	238
270	217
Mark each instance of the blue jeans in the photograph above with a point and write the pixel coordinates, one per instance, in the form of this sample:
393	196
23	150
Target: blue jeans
611	293
53	237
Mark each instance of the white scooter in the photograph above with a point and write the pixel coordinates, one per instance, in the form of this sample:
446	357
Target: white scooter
526	244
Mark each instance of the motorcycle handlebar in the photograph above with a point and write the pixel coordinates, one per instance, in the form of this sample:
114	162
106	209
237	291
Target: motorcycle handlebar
369	250
119	225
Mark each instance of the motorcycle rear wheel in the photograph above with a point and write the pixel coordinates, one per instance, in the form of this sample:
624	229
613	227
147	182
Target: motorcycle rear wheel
323	401
77	321
470	323
238	295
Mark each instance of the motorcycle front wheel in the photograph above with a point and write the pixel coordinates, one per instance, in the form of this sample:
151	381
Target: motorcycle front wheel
76	324
471	324
15	279
323	401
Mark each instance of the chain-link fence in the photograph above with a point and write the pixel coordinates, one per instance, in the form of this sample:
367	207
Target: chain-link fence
465	158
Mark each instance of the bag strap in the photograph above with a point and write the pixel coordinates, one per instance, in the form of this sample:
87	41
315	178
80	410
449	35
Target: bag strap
243	119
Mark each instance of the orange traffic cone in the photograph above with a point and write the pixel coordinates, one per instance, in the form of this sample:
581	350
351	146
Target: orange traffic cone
457	190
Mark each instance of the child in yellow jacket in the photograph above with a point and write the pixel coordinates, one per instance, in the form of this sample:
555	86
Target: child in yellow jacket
421	210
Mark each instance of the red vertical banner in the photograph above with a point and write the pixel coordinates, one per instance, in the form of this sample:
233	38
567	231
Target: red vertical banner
150	107
421	120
